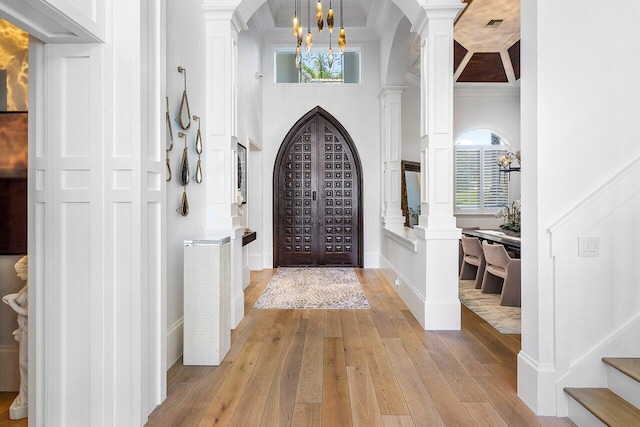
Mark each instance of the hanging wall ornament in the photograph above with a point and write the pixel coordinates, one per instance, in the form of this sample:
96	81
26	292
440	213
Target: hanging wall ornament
170	132
198	176
184	116
184	163
184	204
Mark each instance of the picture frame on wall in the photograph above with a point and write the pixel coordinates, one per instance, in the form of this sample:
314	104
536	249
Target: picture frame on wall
242	172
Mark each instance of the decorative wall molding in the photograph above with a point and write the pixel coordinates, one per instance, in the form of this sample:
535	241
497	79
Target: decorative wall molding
9	372
598	205
175	335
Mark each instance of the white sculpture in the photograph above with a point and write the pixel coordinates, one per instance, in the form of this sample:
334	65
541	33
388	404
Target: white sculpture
239	201
19	303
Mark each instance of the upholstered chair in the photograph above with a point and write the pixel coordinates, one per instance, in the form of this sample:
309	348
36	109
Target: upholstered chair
472	260
501	274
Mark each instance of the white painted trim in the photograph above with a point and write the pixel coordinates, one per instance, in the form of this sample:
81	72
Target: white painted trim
255	262
581	416
175	335
238	304
533	377
9	373
594	208
407	291
405	237
371	260
486	89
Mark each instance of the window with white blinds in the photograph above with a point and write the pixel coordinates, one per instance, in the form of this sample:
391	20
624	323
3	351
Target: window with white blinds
479	186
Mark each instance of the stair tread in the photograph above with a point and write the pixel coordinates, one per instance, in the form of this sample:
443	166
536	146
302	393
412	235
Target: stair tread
629	366
610	408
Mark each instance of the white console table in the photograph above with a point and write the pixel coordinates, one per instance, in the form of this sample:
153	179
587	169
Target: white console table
207	301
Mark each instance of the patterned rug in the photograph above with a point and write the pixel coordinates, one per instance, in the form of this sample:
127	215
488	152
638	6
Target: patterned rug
313	287
505	320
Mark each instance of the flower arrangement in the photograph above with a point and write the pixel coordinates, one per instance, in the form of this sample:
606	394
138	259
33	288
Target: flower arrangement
511	216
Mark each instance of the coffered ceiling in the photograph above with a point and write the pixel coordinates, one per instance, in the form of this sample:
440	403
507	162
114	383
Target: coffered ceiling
487	35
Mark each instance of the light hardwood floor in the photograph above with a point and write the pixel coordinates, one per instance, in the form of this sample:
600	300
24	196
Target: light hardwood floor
352	367
5	402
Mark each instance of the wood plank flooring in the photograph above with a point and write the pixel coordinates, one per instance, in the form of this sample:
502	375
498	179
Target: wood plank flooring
374	367
6	399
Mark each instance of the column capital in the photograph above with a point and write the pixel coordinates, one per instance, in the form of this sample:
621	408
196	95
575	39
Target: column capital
225	13
385	90
441	10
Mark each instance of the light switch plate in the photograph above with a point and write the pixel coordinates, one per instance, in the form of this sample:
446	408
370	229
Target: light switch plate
589	246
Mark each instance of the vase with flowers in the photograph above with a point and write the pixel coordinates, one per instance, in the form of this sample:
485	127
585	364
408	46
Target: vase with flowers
511	216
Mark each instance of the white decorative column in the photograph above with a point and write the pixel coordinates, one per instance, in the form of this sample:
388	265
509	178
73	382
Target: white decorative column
222	25
437	233
391	120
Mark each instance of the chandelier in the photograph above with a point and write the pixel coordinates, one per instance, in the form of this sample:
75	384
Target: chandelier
298	29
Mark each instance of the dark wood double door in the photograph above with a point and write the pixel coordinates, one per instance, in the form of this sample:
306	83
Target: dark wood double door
317	195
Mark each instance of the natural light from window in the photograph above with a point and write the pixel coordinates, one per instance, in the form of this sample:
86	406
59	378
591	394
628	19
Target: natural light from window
479	184
315	67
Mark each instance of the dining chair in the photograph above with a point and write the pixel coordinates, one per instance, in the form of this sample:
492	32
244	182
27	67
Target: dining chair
473	262
501	274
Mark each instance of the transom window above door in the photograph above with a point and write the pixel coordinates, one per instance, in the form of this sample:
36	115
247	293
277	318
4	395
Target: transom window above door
315	67
479	186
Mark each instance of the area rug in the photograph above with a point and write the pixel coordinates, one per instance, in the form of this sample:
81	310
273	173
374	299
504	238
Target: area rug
313	287
505	320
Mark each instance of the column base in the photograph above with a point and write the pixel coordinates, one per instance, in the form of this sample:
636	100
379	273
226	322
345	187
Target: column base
442	314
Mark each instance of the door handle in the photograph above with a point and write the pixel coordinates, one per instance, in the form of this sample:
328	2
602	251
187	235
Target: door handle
313	195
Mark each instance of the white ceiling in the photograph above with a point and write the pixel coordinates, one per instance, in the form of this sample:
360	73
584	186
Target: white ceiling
355	11
472	32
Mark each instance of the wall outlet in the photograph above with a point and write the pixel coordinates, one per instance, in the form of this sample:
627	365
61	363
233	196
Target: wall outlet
589	246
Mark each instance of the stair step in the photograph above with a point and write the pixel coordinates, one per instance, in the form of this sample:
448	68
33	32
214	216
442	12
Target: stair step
629	366
607	406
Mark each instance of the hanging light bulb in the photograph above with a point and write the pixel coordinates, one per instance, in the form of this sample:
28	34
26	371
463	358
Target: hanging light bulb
309	36
296	22
309	41
319	14
342	39
330	18
330	60
298	57
300	32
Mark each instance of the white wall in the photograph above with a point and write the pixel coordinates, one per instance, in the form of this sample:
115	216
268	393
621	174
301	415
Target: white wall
356	107
185	48
411	123
579	127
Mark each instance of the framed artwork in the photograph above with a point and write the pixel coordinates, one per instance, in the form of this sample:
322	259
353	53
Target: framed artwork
242	172
13	183
410	196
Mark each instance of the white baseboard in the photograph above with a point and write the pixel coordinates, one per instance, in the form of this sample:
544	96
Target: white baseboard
535	385
405	289
238	303
255	262
371	260
9	372
175	335
246	277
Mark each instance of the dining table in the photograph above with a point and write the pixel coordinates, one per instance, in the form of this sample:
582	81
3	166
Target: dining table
511	243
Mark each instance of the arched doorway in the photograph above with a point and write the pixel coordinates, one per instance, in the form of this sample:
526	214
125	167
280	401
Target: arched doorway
317	189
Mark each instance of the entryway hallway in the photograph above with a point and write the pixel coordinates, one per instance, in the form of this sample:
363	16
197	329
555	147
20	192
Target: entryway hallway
352	367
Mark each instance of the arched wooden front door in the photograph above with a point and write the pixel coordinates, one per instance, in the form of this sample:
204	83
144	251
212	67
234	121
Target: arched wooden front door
317	186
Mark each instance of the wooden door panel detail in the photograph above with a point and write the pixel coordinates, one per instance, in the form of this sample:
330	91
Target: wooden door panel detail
317	217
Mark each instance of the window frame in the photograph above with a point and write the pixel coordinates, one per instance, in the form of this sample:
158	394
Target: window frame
275	49
482	210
